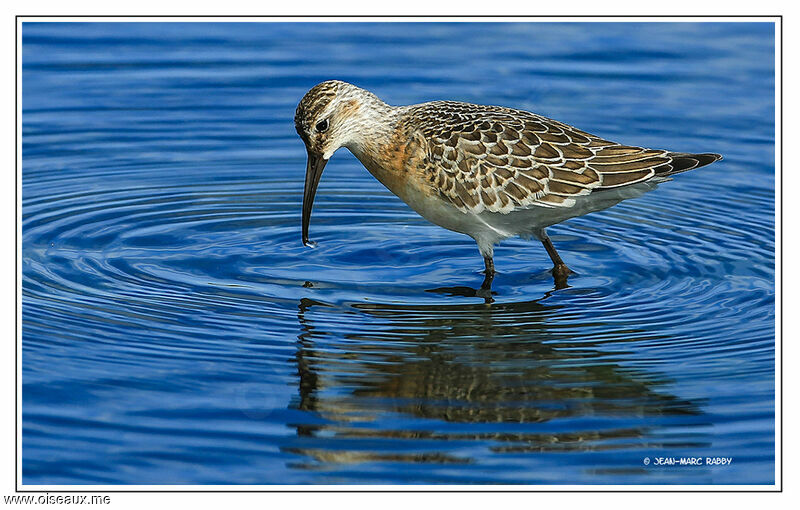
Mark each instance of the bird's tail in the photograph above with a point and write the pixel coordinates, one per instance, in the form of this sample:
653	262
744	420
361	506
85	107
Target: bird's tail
682	162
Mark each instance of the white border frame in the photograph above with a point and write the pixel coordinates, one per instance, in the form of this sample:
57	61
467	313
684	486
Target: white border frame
777	486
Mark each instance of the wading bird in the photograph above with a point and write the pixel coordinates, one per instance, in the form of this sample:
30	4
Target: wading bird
486	171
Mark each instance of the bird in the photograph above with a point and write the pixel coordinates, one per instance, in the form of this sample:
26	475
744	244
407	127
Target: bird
489	172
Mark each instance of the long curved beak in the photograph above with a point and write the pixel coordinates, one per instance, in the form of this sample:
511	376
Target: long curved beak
316	163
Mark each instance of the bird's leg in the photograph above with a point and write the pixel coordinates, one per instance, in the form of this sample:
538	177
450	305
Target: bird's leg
490	272
560	270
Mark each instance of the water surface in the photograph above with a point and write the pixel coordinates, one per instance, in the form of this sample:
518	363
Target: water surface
175	330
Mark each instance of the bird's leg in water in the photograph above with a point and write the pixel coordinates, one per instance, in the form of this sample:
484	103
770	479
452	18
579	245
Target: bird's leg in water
560	270
487	281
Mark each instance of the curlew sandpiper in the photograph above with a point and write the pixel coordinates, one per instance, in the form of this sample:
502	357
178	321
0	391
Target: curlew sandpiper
486	171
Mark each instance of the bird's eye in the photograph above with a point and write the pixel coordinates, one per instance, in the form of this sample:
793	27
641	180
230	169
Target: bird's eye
322	126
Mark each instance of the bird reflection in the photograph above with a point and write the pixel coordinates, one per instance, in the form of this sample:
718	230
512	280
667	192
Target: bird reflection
453	370
484	292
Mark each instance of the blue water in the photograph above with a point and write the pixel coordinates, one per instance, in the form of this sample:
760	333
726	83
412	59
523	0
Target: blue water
176	331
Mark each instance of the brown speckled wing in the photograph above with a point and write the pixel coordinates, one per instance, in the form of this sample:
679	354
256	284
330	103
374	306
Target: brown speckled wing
500	159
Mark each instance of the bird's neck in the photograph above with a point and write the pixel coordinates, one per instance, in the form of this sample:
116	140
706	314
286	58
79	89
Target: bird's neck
373	126
384	145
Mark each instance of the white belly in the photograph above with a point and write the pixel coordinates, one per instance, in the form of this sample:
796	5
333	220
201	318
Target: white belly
488	228
480	227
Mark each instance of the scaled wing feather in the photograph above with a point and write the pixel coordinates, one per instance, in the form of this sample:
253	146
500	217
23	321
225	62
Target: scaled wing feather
488	158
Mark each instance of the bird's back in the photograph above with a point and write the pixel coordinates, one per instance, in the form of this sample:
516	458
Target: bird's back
495	159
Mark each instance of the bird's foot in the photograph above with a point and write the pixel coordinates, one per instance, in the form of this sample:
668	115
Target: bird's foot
560	274
486	294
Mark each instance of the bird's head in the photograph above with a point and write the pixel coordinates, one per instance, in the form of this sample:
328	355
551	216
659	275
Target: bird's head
331	115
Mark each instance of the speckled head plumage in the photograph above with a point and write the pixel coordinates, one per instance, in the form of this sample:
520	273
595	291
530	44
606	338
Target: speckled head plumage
336	114
313	103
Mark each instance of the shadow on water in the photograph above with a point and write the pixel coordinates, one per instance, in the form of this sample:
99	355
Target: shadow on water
453	369
468	292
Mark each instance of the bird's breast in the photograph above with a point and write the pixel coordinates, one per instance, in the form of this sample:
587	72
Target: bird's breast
394	161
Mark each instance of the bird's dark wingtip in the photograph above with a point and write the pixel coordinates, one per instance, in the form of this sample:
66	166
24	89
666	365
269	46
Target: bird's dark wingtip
682	161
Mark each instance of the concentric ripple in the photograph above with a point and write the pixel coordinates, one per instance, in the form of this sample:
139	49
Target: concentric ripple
175	330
